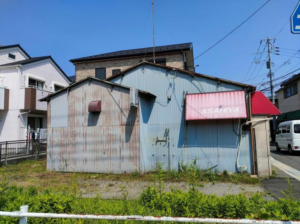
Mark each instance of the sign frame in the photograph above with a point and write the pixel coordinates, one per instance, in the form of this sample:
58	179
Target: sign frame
296	13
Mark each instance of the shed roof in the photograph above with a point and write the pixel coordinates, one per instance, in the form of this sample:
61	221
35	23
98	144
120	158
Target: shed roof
252	88
137	52
36	59
72	78
15	45
290	80
47	98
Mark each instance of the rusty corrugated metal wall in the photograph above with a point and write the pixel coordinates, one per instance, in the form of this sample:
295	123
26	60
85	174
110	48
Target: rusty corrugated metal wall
79	141
165	139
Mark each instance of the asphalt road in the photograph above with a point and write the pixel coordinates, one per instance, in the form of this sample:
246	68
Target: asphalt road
279	184
284	157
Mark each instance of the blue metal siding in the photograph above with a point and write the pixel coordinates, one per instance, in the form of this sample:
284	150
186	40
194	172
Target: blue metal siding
168	148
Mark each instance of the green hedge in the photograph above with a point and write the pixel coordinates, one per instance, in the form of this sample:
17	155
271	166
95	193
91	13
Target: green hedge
197	204
153	201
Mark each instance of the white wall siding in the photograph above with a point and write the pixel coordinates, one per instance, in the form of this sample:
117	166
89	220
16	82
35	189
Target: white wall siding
59	110
13	125
39	95
4	59
9	125
47	71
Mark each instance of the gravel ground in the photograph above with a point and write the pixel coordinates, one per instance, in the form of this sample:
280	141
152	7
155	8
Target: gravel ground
113	189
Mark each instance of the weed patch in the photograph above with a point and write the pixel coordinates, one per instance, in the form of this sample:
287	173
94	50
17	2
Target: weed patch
34	173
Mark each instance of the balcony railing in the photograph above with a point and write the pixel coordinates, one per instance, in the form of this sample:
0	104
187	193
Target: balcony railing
32	96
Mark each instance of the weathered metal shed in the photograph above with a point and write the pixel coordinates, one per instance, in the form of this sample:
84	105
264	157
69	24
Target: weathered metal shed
148	115
166	137
86	137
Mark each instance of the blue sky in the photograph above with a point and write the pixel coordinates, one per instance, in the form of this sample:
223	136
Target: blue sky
71	29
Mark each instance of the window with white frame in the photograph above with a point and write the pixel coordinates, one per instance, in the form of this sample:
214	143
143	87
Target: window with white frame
57	87
37	84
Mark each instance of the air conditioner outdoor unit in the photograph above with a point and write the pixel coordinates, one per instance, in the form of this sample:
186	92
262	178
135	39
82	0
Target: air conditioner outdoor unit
134	97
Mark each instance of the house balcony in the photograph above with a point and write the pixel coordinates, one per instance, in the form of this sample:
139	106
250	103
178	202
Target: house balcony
4	98
29	99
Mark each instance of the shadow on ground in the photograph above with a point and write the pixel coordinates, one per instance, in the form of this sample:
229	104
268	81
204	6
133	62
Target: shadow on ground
285	153
276	185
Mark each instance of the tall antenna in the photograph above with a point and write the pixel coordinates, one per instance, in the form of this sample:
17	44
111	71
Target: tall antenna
153	32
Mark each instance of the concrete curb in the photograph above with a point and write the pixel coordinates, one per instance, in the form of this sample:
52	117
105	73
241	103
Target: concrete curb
287	169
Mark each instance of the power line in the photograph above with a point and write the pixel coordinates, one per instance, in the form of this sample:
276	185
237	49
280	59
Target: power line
279	67
231	31
294	67
282	28
252	63
259	62
287	55
286	49
283	76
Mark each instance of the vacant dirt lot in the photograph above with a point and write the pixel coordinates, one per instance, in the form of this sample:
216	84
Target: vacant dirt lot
115	189
115	186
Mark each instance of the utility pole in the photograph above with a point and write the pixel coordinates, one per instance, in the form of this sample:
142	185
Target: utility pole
269	66
153	32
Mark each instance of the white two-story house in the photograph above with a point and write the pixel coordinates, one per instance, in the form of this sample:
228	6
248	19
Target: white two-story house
23	81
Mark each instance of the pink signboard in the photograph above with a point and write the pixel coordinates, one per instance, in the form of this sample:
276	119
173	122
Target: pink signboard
220	105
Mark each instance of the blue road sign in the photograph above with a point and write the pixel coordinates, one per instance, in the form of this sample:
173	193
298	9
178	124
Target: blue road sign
295	20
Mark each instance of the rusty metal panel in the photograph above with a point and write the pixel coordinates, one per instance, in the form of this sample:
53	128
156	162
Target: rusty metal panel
164	137
106	142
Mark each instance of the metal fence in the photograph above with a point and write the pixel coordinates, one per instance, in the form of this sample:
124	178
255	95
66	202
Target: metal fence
22	149
23	214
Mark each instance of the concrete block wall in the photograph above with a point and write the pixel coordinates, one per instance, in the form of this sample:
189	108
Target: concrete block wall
86	69
262	145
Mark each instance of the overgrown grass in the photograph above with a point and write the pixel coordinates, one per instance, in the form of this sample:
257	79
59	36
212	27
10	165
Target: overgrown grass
30	173
152	202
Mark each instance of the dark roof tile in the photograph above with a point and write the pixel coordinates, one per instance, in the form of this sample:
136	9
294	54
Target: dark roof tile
136	52
15	45
290	80
26	61
72	78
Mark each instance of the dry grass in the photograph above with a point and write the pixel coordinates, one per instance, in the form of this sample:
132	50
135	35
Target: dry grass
34	173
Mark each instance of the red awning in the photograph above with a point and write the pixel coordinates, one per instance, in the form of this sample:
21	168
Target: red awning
220	105
261	105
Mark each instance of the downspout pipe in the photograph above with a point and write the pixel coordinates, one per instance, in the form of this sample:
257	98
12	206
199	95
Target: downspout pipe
20	116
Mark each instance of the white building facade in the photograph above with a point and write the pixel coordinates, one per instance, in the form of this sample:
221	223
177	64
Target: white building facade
23	81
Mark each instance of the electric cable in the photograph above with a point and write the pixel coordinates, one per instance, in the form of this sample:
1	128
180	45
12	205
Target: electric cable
232	31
